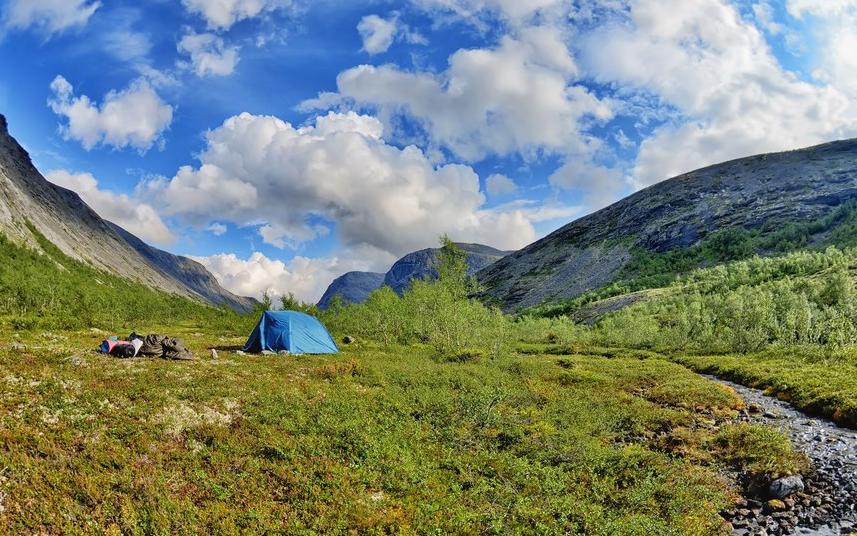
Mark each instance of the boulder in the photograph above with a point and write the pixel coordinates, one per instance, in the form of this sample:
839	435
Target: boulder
783	487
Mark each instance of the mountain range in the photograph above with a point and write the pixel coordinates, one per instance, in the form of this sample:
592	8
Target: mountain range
763	194
30	205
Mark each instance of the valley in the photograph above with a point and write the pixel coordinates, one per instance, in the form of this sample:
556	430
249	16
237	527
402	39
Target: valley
588	411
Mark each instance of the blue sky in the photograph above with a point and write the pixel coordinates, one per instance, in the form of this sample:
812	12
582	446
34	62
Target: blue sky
284	142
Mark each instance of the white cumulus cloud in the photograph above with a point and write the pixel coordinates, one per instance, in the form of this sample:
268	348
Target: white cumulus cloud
598	185
217	229
337	173
822	8
51	16
222	14
479	12
208	53
306	278
134	117
518	97
379	33
717	70
136	217
498	184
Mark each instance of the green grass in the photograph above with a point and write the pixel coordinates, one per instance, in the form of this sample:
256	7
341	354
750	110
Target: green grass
456	419
371	441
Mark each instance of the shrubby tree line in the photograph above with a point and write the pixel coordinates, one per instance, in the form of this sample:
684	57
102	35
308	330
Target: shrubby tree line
803	298
438	313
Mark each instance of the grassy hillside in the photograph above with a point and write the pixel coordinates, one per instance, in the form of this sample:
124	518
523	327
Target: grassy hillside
647	270
52	291
787	323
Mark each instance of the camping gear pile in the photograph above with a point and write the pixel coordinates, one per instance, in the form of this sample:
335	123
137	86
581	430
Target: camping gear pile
290	332
161	346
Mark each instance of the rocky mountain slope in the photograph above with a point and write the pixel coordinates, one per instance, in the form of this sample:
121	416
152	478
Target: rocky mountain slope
355	287
190	273
768	190
29	202
352	287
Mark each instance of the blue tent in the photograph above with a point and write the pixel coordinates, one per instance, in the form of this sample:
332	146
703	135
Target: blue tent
295	332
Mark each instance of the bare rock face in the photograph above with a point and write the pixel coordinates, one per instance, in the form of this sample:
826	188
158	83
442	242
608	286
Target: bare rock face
748	193
188	272
30	202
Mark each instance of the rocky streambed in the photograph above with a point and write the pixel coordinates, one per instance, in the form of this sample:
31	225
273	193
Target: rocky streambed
822	503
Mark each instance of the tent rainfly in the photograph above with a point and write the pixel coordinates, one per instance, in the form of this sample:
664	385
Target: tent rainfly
294	332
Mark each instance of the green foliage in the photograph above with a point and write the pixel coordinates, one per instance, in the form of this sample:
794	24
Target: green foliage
803	298
647	269
437	313
288	302
811	380
452	270
758	449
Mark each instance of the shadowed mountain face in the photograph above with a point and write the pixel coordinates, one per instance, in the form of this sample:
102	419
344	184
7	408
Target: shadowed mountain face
748	193
190	273
352	287
355	287
27	200
423	264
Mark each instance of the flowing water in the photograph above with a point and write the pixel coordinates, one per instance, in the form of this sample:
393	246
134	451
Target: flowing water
833	453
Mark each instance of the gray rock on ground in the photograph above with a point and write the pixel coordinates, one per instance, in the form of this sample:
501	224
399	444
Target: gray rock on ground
783	487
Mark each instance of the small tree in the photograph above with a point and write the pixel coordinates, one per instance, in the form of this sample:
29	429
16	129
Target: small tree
265	304
452	269
290	303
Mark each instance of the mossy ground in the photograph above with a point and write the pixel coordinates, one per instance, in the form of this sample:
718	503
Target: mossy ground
373	440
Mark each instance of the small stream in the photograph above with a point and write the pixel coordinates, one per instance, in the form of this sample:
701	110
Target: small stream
829	506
